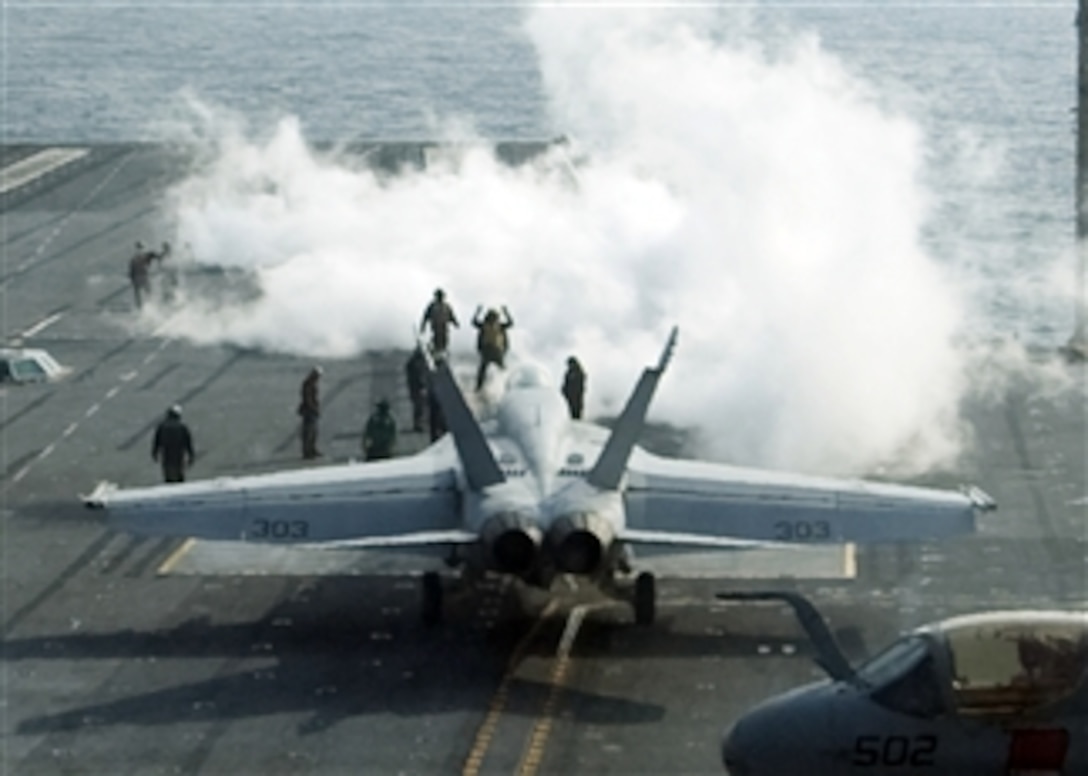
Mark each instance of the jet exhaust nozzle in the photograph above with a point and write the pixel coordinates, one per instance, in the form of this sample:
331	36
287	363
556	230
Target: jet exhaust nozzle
579	542
513	542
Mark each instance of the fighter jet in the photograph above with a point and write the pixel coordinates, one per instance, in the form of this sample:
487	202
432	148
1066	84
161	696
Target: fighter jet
533	494
984	694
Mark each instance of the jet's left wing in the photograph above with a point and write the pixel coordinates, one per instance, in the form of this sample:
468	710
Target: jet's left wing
674	502
411	501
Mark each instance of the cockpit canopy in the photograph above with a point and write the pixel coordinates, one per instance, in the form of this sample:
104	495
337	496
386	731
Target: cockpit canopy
997	664
1013	664
29	365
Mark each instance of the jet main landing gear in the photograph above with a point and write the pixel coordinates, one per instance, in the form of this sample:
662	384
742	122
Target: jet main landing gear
645	598
431	608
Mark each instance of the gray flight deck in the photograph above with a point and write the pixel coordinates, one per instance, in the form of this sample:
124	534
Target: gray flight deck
123	655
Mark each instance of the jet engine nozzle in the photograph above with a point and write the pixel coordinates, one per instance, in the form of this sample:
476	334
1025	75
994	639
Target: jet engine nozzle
580	541
512	542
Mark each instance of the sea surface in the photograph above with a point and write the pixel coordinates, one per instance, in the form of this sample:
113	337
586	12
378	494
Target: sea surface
990	85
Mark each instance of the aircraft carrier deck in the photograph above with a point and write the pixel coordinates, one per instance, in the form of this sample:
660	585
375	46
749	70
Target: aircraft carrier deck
122	655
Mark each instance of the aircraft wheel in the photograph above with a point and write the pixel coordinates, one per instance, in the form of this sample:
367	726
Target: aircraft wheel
645	598
432	598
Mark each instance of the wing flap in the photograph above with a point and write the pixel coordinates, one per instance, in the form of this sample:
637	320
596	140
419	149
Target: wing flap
686	540
412	540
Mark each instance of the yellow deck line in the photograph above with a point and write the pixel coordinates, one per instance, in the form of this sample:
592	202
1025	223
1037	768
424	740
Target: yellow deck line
175	557
533	755
486	733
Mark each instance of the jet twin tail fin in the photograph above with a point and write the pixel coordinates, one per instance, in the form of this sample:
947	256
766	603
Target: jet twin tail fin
481	469
612	462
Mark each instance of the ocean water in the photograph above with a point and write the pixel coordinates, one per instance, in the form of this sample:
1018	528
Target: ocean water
837	202
991	85
113	71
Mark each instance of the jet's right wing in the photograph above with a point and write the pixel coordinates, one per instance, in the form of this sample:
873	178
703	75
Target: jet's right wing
700	504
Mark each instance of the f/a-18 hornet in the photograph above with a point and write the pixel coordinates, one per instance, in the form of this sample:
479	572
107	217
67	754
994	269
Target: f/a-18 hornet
532	493
986	694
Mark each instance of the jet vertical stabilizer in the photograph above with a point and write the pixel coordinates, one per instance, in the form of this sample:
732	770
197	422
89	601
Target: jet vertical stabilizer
481	469
612	462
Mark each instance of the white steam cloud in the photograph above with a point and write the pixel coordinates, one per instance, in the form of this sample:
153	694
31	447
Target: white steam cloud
762	202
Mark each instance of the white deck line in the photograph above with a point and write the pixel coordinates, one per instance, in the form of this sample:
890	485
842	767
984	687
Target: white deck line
36	165
41	325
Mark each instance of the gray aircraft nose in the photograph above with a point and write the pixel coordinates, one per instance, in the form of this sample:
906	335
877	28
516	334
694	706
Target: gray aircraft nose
785	736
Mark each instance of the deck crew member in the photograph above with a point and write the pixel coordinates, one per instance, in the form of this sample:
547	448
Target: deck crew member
440	316
139	273
309	409
380	434
492	341
173	446
574	387
415	374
